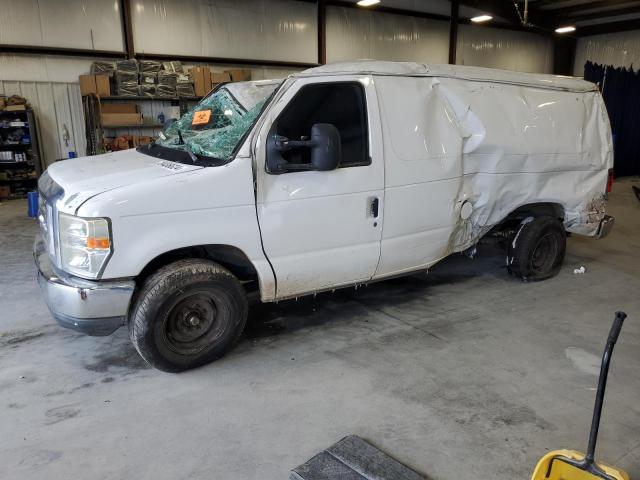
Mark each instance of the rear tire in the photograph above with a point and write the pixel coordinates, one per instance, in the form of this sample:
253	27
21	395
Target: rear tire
536	251
187	314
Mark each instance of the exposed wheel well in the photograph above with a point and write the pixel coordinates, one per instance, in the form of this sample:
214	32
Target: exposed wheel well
231	258
511	221
546	209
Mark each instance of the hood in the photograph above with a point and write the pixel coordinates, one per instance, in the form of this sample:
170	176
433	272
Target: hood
86	177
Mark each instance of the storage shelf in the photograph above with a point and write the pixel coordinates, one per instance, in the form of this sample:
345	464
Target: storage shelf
134	125
10	147
19	180
7	113
16	165
150	99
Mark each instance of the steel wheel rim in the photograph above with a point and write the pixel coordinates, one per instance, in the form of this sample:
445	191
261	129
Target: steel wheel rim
192	323
544	254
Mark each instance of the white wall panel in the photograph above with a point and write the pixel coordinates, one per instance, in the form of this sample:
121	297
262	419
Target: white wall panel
42	68
506	49
357	34
90	24
257	29
620	49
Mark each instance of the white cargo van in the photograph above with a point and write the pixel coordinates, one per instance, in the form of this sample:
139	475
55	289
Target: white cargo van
339	175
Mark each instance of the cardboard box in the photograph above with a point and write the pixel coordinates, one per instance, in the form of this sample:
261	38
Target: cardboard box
141	140
111	119
94	84
15	108
220	77
102	85
239	74
201	80
119	108
5	191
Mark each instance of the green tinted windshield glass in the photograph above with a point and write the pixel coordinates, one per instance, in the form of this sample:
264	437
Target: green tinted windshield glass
218	123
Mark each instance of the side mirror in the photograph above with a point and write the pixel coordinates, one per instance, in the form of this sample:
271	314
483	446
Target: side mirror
325	146
326	151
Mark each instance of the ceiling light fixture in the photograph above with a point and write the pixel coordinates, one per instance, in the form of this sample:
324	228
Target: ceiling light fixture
567	29
367	3
481	18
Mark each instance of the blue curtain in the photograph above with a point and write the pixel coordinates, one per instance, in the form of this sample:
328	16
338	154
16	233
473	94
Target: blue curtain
621	92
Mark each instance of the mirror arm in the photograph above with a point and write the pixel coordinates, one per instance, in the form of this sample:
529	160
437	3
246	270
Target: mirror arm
283	144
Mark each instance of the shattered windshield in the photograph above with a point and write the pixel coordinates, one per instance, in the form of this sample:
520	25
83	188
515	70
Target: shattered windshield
215	127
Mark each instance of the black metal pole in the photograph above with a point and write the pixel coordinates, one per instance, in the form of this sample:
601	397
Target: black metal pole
453	31
602	384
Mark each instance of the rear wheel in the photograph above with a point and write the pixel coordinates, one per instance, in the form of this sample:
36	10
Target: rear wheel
536	250
187	314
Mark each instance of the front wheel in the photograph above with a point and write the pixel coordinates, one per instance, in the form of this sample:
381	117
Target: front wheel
187	314
536	250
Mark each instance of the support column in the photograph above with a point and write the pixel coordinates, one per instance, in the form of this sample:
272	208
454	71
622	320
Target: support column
453	31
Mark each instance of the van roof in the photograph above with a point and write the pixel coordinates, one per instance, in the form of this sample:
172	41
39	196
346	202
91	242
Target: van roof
378	67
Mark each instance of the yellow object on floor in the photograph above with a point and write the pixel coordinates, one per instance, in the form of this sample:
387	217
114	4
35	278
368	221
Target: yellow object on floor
563	471
572	465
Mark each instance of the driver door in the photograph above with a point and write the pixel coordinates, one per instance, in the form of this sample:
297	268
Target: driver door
322	229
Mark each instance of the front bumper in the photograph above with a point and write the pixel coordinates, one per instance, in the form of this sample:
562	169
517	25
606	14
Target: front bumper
91	307
606	224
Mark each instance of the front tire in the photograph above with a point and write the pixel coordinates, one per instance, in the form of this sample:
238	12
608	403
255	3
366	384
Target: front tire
536	251
187	314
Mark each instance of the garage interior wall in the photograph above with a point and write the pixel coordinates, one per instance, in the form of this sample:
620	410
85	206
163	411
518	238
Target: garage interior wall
281	30
621	49
353	34
506	49
258	29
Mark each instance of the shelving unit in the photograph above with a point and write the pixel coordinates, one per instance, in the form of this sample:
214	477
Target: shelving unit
96	131
20	175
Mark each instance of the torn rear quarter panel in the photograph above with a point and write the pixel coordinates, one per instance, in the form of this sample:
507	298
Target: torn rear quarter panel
498	146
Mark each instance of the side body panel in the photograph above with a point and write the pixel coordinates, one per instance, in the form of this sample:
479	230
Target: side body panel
422	152
317	230
213	205
539	145
493	146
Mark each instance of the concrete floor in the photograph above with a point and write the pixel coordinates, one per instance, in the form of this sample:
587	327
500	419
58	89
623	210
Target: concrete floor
465	373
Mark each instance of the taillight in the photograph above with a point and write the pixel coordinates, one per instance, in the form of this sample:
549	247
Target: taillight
610	181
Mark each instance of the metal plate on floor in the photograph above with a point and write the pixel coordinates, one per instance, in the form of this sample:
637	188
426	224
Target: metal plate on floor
352	458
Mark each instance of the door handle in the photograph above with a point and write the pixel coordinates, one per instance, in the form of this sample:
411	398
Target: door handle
374	203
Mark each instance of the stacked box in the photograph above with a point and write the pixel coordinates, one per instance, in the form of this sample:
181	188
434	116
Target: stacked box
185	90
173	67
103	68
147	90
166	84
149	66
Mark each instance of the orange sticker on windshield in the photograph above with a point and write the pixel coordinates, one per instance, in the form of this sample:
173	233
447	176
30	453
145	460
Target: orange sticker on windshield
201	117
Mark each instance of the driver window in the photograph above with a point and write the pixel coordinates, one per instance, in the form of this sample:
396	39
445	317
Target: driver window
341	104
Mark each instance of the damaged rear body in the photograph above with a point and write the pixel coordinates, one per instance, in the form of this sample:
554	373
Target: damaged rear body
468	154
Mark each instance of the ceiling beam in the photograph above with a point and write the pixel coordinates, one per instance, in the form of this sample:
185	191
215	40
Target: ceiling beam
602	15
584	6
611	27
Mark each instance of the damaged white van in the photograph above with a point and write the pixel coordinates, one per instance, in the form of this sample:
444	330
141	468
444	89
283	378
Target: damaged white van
339	175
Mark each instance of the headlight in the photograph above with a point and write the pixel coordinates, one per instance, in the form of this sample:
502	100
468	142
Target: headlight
85	244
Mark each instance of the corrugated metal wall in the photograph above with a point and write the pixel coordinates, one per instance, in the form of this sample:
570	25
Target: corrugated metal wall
506	49
283	30
620	49
90	24
356	34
